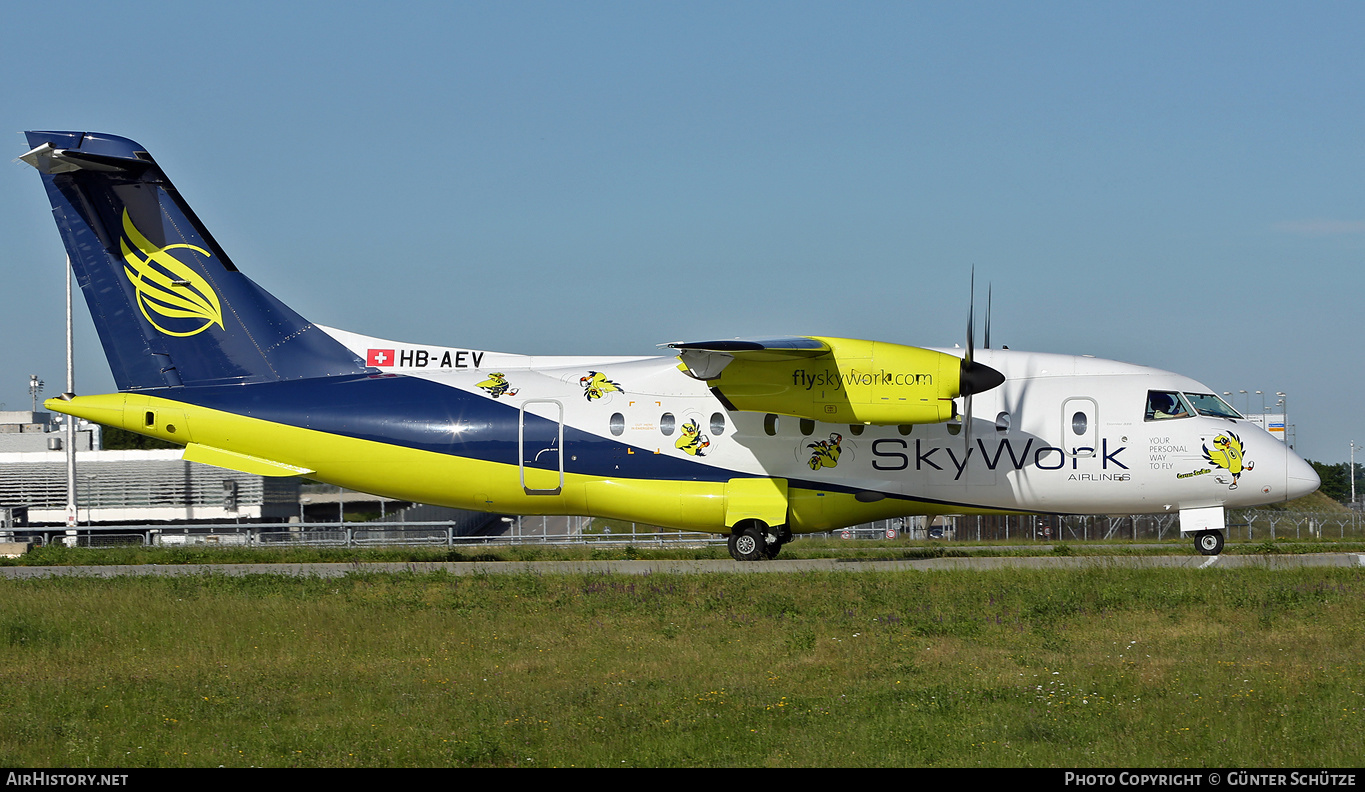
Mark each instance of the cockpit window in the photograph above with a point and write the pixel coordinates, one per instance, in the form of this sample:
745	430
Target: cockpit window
1208	404
1164	405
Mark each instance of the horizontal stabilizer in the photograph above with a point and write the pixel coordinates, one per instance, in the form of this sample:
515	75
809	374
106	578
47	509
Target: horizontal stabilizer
49	159
232	460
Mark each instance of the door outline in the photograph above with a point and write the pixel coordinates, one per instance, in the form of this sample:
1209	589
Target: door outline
1070	440
556	446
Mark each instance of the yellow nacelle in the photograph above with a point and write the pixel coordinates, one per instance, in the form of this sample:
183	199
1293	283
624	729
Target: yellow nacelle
837	380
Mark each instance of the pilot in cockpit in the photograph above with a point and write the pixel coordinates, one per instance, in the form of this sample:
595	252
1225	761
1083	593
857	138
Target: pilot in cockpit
1162	405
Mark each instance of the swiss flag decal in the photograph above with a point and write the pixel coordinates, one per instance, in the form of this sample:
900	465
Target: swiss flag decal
379	357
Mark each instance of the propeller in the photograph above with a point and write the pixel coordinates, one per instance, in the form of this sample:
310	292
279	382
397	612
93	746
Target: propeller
975	377
989	289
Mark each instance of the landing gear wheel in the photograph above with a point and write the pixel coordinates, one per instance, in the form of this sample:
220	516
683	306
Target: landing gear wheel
748	544
780	537
1210	543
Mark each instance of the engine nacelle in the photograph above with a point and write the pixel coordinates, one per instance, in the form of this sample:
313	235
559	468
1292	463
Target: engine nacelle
837	380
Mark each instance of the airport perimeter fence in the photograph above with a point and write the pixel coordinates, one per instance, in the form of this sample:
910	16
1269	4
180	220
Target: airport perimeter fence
1249	525
1242	526
343	535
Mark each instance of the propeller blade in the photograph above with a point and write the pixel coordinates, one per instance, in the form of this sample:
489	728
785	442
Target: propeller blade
989	289
966	427
975	377
967	365
971	315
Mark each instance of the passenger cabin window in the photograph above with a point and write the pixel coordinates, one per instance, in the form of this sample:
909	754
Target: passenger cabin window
1165	405
1002	423
717	424
770	424
666	424
807	427
1212	406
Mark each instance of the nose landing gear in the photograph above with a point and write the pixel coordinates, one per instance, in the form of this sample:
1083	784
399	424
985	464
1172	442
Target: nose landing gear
1209	543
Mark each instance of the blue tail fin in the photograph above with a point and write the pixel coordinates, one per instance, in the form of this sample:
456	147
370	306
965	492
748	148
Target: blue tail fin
170	307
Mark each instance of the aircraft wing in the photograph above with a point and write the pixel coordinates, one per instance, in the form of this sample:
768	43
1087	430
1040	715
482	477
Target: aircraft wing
837	380
799	346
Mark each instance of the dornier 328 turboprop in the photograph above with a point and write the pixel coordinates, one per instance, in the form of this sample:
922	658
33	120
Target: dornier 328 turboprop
758	439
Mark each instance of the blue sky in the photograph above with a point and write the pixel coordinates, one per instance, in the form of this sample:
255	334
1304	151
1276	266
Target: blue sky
1179	185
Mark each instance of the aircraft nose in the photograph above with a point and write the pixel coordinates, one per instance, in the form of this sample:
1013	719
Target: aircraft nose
1300	478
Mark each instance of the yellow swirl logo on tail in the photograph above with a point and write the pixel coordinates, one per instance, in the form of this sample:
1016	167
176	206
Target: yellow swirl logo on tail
166	286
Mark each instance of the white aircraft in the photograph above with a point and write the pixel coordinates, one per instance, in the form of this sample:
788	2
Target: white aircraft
758	439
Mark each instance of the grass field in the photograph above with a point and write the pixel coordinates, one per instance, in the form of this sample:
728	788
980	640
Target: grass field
1101	667
804	547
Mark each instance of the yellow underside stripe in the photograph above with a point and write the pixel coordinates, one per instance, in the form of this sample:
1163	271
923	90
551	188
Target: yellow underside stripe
274	449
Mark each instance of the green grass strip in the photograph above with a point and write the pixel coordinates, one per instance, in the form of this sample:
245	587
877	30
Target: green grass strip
1062	668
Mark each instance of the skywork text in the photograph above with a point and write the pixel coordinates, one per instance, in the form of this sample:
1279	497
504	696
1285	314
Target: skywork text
893	454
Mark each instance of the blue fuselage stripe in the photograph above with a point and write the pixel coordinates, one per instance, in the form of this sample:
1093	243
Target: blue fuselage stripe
424	415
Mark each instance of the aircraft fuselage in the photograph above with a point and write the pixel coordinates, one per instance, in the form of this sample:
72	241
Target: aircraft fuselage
637	439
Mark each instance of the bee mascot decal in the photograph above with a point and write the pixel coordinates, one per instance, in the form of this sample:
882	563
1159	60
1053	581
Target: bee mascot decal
1227	454
692	440
497	385
825	453
596	385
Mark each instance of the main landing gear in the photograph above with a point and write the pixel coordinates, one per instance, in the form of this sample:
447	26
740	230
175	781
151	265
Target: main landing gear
753	540
1209	543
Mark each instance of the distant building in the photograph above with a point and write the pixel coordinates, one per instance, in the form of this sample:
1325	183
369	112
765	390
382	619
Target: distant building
37	431
1271	422
125	486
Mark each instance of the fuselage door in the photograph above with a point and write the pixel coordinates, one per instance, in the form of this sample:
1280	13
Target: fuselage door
1080	426
540	444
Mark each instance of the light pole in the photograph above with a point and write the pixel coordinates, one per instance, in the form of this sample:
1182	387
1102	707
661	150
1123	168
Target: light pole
1262	395
35	387
1248	399
71	511
1285	401
1353	471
